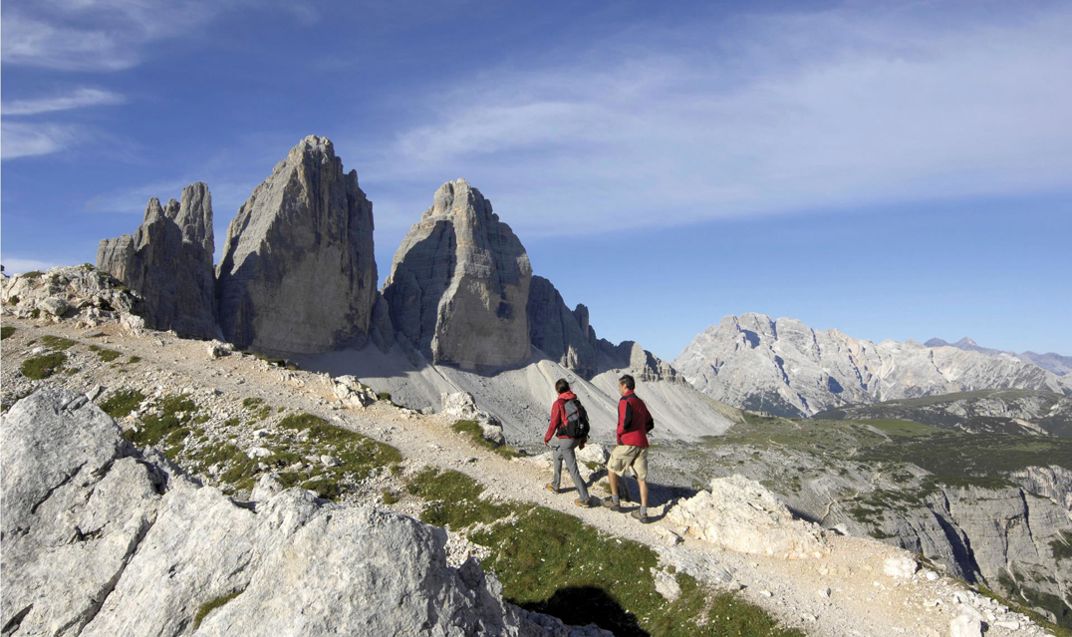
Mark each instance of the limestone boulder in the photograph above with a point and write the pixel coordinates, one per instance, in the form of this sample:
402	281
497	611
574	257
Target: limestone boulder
298	273
741	515
352	392
462	406
167	261
459	284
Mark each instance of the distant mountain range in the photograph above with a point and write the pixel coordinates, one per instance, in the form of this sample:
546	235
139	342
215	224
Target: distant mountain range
783	367
1056	363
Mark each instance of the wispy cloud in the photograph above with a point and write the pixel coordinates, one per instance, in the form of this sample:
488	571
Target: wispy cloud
23	139
110	35
773	114
79	98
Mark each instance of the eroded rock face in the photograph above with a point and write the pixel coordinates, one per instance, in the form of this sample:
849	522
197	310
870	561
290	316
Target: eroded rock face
298	273
100	540
459	284
567	337
168	262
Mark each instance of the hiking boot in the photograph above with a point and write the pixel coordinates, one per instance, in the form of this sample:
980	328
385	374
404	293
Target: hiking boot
610	504
643	517
550	487
584	504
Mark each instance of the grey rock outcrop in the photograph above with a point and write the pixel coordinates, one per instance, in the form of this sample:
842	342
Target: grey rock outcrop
168	263
568	337
784	367
81	293
459	284
298	273
100	540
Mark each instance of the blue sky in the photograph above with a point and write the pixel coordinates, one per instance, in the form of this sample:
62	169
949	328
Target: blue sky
895	171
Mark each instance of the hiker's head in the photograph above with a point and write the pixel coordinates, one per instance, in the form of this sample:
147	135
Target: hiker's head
626	384
561	386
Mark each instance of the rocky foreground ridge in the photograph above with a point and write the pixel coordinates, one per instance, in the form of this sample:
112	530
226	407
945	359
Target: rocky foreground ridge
783	367
100	539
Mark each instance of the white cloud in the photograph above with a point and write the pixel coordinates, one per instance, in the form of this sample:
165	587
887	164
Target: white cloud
79	98
22	139
773	114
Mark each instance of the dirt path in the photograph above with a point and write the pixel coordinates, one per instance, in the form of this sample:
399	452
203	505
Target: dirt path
844	593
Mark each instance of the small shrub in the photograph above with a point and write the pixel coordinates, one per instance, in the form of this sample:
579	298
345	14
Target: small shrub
35	313
122	402
389	497
40	367
13	299
134	359
32	274
6	331
106	355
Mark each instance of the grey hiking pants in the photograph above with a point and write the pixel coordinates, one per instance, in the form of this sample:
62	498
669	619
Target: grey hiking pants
563	452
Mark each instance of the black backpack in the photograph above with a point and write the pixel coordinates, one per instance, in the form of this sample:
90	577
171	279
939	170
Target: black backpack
576	420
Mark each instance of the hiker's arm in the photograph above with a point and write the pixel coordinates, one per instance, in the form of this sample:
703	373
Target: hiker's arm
552	425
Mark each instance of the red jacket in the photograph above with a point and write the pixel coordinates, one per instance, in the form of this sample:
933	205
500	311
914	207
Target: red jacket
633	419
558	415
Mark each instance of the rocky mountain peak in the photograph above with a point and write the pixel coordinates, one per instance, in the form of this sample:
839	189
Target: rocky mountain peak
459	284
298	274
168	262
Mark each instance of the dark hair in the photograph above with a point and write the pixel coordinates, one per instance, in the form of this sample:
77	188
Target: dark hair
628	381
561	386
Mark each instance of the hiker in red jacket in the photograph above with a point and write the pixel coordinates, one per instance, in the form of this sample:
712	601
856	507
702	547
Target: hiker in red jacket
634	422
567	430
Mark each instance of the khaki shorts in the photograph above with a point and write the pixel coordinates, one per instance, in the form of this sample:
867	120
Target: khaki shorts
625	456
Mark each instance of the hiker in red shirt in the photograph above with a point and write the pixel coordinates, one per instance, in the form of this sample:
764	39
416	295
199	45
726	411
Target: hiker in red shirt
634	422
567	430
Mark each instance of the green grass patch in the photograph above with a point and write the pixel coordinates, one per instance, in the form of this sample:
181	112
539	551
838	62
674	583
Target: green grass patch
211	605
471	429
57	343
32	274
40	367
134	359
389	497
384	395
173	413
256	408
552	562
106	355
6	331
358	456
122	402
